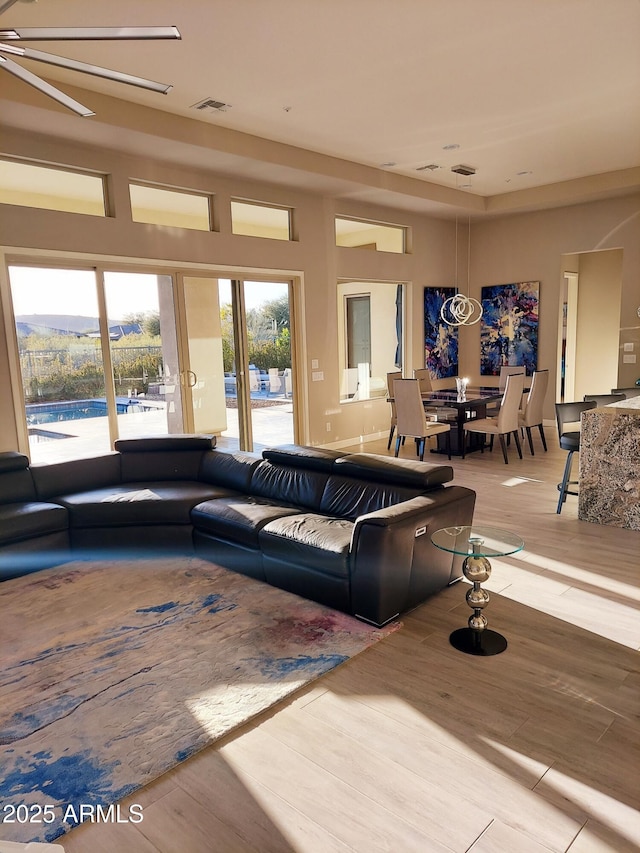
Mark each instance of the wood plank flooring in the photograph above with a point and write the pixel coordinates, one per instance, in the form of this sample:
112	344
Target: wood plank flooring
413	746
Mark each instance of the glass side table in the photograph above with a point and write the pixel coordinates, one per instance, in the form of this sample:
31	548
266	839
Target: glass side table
477	544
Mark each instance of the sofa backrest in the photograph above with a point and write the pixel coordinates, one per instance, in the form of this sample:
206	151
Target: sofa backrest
289	484
76	475
350	497
231	470
16	482
366	482
162	457
311	458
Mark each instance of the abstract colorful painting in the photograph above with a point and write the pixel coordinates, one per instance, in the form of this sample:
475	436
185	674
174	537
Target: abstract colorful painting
440	339
509	327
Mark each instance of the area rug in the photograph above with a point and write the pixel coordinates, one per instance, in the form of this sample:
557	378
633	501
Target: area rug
114	672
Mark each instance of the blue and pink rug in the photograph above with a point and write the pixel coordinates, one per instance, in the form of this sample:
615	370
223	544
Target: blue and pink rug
112	673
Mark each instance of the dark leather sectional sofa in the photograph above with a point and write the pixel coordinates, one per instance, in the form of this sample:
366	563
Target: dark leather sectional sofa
347	530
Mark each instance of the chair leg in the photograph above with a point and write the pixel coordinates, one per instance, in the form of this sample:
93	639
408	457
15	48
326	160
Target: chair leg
491	443
565	481
391	432
544	441
503	445
518	445
464	442
421	443
530	440
449	445
398	442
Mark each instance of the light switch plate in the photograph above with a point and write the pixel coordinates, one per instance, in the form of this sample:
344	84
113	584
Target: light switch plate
629	359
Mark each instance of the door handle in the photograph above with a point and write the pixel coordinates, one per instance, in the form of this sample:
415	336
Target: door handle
192	379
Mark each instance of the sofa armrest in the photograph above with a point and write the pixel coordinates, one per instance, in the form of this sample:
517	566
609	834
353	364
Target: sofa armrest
394	564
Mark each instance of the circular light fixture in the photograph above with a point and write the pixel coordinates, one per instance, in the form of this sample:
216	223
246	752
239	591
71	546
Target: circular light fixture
461	310
524	172
452	146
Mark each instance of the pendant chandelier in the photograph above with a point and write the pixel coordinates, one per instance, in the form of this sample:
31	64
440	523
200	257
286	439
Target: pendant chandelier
461	310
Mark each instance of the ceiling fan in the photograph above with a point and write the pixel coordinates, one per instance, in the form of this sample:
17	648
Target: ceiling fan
10	47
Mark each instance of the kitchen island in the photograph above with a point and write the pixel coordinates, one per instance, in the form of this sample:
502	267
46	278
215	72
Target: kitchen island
609	479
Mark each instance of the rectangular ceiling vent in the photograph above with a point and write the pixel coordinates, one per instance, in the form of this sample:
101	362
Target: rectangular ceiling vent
463	170
211	104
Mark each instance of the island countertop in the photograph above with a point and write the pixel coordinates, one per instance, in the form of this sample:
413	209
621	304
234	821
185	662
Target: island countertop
609	479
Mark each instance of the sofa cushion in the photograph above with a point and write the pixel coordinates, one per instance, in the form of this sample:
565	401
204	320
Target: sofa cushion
233	470
26	520
163	502
314	541
347	497
238	519
312	458
76	475
286	484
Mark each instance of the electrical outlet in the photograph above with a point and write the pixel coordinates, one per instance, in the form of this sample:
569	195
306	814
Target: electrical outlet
328	426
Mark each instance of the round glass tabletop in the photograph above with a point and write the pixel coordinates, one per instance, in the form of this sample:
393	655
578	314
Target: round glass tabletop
480	540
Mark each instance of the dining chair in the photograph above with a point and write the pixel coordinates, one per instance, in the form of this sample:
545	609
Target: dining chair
411	418
505	370
569	414
603	399
391	378
531	415
508	370
506	421
423	375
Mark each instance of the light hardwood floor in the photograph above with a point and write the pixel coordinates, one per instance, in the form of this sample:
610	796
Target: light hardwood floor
413	746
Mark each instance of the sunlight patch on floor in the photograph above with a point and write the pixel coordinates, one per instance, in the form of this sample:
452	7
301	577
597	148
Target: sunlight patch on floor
575	573
519	481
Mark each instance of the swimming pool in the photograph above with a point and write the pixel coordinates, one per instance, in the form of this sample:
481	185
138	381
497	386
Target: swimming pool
75	410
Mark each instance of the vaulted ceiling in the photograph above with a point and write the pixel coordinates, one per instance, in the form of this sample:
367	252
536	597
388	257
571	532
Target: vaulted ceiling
356	97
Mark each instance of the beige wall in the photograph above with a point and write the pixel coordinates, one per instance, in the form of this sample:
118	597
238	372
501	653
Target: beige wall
598	322
530	247
520	248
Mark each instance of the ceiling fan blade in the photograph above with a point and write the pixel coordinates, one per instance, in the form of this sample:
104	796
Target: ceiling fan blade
6	5
44	87
86	68
88	33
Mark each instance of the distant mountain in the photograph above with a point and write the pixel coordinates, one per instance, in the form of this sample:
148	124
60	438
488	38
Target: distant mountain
70	324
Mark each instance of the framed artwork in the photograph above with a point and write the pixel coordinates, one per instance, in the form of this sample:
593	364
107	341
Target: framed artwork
509	327
440	339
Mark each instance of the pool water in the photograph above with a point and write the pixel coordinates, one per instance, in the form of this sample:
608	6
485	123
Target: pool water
74	410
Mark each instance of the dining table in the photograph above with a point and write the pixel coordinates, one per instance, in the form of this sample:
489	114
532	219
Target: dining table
468	406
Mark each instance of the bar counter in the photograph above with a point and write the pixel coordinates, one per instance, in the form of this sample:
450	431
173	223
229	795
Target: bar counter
609	478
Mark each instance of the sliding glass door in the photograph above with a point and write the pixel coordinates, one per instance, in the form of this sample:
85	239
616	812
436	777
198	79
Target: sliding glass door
97	356
239	361
107	354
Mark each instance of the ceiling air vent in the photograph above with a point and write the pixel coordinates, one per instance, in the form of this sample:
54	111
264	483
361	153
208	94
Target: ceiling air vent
463	170
211	104
430	168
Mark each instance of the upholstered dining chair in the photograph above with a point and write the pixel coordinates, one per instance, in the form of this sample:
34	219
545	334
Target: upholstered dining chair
506	421
391	378
603	399
505	371
423	375
531	415
411	418
568	415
